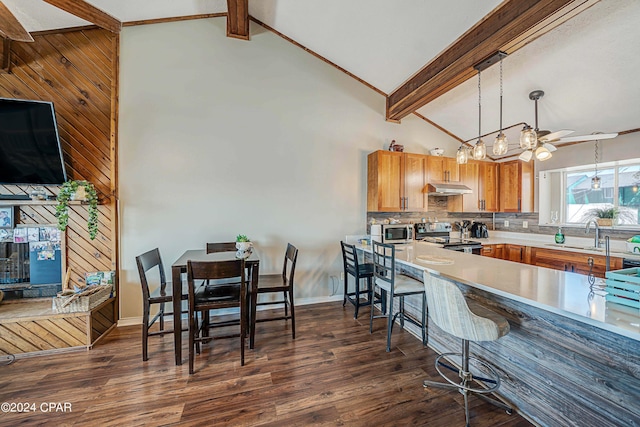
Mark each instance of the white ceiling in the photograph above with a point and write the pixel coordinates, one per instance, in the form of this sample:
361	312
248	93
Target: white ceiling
587	67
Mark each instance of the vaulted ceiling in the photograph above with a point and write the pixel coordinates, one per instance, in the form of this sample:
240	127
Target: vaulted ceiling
586	66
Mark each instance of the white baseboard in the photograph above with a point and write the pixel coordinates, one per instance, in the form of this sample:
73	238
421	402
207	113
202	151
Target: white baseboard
133	321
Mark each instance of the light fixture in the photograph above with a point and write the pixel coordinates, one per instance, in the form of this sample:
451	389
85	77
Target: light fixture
529	137
595	181
501	144
462	155
479	150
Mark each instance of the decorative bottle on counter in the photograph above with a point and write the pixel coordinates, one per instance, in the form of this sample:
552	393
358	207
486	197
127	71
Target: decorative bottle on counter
559	236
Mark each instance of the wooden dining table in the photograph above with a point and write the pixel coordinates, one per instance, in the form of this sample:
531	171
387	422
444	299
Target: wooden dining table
252	263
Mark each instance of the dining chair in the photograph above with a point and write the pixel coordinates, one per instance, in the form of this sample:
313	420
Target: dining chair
221	247
162	295
353	267
468	321
203	299
276	283
396	286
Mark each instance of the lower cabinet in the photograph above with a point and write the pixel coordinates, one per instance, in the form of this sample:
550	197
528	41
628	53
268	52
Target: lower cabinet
575	262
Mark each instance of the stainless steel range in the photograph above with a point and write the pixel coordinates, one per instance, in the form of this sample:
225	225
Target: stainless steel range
439	232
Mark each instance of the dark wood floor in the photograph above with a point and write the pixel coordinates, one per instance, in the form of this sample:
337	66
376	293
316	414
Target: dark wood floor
333	373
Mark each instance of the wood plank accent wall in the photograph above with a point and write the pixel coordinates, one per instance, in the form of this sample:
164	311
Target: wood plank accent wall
77	71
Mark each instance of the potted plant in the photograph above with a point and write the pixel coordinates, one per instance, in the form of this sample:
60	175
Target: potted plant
82	191
243	244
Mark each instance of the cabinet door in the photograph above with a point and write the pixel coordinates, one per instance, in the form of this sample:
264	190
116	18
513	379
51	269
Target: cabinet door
515	253
385	181
488	186
442	169
415	199
510	188
488	250
469	177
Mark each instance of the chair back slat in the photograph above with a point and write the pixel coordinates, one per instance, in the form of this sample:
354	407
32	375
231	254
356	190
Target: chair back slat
221	247
146	262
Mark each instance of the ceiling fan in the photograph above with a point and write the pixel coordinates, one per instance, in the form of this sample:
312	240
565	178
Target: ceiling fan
539	142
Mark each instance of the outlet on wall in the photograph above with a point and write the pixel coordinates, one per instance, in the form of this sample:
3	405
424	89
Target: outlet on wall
506	223
525	224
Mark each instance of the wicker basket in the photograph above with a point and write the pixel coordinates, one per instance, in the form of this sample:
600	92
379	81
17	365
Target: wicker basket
85	303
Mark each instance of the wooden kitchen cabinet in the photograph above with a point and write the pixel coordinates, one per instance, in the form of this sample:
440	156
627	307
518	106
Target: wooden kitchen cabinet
575	262
488	186
517	253
493	251
443	169
396	181
482	178
516	186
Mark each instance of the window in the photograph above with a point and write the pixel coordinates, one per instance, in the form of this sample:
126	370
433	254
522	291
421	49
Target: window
569	193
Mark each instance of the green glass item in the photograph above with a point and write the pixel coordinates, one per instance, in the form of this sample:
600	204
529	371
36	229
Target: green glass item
559	236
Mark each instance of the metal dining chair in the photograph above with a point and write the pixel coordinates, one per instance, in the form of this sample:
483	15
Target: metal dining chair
204	299
162	295
396	286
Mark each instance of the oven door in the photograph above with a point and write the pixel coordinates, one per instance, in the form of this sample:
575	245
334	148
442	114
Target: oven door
471	249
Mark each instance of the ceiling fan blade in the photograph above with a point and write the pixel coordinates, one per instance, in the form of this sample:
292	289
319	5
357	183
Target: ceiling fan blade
526	155
11	28
591	137
549	147
556	135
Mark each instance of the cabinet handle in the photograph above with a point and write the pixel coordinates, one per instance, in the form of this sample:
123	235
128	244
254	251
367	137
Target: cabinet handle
519	208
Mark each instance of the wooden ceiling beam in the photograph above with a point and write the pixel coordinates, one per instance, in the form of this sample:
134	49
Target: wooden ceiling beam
11	28
88	12
507	28
238	19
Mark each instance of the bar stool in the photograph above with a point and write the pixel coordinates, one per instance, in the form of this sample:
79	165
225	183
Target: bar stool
396	285
469	321
352	267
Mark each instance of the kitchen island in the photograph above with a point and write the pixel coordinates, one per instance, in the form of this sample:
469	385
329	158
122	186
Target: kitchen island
571	358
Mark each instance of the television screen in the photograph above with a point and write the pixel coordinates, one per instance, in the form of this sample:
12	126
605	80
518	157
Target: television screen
30	151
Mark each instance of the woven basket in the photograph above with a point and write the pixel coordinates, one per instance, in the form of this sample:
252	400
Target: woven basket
82	303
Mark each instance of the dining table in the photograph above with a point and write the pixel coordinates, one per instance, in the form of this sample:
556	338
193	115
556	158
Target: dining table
252	263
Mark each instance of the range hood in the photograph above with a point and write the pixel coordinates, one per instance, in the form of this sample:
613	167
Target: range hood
447	189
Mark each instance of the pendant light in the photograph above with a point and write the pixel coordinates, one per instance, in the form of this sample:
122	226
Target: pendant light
595	181
501	144
479	150
462	155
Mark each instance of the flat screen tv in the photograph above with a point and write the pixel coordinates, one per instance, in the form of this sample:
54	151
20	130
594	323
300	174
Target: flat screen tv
30	151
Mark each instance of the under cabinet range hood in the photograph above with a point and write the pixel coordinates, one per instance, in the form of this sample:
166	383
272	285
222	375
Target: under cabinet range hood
447	189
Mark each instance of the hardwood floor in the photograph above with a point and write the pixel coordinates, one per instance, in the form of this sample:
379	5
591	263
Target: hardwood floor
334	373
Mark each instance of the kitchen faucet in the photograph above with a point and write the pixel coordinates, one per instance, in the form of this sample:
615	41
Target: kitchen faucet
596	239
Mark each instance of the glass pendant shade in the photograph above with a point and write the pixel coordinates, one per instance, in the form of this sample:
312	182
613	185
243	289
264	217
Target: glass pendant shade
526	155
595	182
542	154
500	145
462	155
528	138
479	150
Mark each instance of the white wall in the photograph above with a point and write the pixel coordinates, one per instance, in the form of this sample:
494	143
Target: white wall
220	136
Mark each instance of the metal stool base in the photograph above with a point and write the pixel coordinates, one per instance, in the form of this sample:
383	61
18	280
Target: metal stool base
466	377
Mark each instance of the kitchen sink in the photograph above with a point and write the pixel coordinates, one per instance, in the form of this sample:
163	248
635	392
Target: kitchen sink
583	248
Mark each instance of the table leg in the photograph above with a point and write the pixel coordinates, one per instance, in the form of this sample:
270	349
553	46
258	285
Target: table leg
254	302
176	281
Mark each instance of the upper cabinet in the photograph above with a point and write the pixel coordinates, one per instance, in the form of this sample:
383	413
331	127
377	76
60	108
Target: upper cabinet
444	169
516	186
482	179
396	181
488	187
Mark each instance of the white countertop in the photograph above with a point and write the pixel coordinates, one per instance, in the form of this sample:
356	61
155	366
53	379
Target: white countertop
573	244
563	293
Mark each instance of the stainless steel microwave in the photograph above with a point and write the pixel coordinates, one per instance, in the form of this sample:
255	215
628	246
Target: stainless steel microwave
397	233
